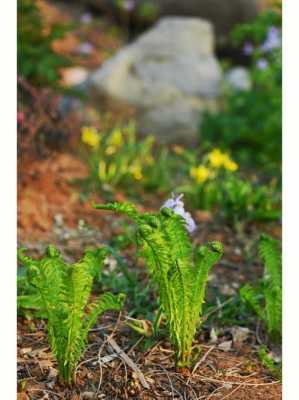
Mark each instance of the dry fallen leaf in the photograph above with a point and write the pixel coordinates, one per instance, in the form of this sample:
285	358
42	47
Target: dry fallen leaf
22	396
213	335
203	216
73	76
88	395
25	350
240	334
225	346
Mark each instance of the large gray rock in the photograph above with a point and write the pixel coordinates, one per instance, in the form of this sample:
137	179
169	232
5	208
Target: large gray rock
169	74
223	14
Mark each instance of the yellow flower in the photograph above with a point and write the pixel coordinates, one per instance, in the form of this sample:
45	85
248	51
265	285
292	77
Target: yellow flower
200	173
178	149
230	165
136	171
216	158
110	150
90	136
116	138
102	170
149	160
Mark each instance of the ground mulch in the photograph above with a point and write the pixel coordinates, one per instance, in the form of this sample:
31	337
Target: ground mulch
103	373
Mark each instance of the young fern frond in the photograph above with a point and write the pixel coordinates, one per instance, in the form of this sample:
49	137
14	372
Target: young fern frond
206	257
65	292
180	273
270	253
251	296
266	299
107	301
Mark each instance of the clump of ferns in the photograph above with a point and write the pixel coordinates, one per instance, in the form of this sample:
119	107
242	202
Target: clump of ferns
65	291
180	272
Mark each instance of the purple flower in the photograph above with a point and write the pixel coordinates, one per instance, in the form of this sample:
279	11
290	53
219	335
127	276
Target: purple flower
86	18
128	5
273	40
248	48
85	48
175	204
262	64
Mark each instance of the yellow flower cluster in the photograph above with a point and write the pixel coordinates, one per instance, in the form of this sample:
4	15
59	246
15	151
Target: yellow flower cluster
114	142
200	173
106	172
219	159
178	149
136	171
90	136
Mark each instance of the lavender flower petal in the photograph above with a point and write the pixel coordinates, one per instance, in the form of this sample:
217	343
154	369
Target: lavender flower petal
177	205
262	64
273	40
248	48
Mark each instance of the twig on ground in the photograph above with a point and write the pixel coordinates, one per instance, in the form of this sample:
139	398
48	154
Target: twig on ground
206	378
233	391
128	361
217	308
101	349
202	359
168	377
45	391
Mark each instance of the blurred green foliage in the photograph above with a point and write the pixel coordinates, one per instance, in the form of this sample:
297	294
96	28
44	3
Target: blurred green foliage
265	299
268	362
216	184
238	200
37	62
119	159
250	123
28	300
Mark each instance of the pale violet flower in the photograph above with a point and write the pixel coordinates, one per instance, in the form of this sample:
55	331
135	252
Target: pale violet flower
248	48
262	64
128	5
85	48
273	40
86	18
176	204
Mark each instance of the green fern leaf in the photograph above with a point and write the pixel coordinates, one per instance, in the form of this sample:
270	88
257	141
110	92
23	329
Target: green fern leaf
266	299
164	243
269	251
65	291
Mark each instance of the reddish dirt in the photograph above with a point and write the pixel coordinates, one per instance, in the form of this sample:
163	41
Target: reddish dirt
44	190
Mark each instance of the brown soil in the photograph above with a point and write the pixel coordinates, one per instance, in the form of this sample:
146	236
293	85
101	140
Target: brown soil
234	374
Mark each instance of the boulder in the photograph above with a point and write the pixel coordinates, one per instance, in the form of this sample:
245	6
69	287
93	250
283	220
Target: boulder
223	14
170	75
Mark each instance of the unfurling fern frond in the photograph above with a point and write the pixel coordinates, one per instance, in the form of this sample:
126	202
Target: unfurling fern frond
266	299
270	253
65	293
180	273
